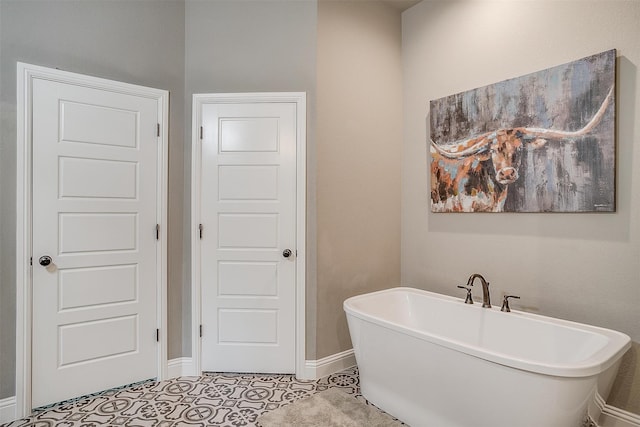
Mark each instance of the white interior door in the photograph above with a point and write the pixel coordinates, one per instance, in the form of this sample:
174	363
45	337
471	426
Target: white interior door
247	253
97	160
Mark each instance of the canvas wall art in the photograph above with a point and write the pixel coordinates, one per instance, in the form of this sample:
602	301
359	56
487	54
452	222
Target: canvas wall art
543	142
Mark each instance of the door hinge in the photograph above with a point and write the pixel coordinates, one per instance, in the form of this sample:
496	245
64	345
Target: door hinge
31	261
201	132
157	335
157	231
200	228
158	129
200	331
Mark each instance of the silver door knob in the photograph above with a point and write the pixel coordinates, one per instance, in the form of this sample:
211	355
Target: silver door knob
286	253
45	260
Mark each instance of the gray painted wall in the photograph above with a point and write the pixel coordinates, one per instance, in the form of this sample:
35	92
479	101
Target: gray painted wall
139	42
358	159
255	46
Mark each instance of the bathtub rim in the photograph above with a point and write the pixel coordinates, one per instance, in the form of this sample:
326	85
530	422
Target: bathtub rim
597	363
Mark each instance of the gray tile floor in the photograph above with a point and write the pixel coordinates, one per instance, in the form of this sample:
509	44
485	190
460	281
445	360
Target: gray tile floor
213	399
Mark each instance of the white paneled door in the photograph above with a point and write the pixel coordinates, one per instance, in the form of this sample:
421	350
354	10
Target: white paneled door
247	190
97	163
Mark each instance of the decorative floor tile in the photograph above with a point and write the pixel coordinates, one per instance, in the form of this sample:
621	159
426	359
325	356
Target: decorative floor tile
213	399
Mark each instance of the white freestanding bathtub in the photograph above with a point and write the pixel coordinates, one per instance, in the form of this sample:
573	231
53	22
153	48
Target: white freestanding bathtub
431	360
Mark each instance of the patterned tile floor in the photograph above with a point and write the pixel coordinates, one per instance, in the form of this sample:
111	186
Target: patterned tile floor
213	399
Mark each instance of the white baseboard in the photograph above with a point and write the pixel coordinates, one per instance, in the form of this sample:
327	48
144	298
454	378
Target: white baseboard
615	417
7	409
610	416
313	369
181	367
329	365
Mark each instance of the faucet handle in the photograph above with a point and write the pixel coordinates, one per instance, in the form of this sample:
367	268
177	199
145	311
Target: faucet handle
468	299
505	303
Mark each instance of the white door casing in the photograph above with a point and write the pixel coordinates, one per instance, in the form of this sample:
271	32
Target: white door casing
248	195
98	189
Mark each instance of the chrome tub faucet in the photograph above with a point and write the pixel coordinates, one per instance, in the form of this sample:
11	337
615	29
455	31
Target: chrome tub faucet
486	299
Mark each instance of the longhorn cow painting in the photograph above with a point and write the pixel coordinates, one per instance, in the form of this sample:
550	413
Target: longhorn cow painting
543	142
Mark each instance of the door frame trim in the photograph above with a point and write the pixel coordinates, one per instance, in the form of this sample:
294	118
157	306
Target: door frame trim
26	73
300	99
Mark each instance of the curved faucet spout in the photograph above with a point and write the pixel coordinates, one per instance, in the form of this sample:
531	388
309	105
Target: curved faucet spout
486	299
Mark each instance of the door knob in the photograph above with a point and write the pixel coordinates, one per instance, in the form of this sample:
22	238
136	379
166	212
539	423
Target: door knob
45	260
286	253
